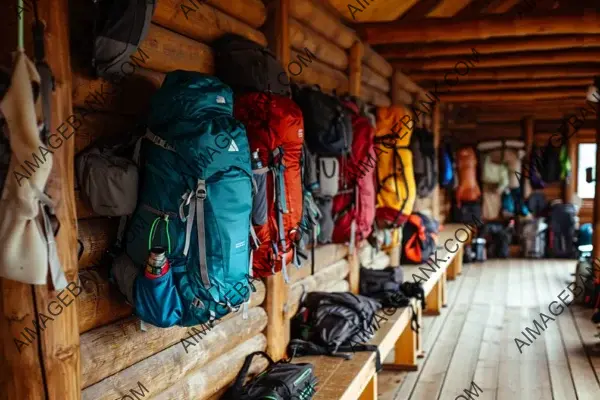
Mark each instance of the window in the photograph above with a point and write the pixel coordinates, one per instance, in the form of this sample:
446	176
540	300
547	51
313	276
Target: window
586	156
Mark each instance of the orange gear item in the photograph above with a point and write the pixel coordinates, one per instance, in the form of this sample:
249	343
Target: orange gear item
466	167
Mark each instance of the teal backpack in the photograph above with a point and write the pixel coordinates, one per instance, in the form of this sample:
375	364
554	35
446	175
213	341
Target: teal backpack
195	201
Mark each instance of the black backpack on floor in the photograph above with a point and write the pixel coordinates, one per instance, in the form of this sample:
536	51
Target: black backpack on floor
467	213
119	28
327	122
334	324
247	66
498	238
561	231
424	165
280	381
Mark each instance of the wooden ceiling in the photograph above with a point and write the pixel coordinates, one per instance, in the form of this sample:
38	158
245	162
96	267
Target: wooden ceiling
535	56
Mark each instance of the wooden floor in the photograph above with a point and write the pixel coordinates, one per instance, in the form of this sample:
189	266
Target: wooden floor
473	340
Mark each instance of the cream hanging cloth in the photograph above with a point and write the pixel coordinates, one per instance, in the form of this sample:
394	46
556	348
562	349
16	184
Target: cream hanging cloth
27	248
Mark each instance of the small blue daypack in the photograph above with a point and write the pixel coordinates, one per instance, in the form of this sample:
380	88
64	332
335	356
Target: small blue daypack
195	201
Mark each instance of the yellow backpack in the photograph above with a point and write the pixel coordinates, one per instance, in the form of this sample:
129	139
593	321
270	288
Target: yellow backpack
396	189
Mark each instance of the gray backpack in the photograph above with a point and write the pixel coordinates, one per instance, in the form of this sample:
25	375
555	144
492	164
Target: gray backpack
533	238
119	28
108	180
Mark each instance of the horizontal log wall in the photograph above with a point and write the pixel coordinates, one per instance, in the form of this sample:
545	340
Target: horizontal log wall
112	348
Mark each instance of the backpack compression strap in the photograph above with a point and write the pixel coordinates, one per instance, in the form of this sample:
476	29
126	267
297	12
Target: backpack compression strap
281	204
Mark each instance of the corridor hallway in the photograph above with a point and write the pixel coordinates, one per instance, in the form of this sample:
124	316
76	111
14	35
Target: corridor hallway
473	340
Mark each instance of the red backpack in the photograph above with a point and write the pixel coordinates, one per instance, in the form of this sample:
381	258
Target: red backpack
355	203
275	130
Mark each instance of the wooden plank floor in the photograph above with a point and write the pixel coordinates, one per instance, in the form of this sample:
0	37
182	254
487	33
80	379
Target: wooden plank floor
473	340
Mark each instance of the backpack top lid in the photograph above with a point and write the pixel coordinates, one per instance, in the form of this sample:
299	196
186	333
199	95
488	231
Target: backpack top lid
193	112
122	27
392	125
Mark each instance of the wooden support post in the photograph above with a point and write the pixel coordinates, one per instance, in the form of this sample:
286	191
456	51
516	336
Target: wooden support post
434	300
458	258
405	351
395	251
46	366
354	273
355	68
444	289
278	327
569	187
370	391
596	221
452	270
419	349
435	196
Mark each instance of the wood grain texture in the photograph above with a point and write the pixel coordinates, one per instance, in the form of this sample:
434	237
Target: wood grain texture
375	96
205	24
301	37
95	237
454	30
539	72
252	12
165	369
356	70
129	96
60	340
325	255
323	22
372	78
376	61
318	73
209	379
168	51
112	348
100	302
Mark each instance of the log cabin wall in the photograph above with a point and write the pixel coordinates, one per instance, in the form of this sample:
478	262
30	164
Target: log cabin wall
116	354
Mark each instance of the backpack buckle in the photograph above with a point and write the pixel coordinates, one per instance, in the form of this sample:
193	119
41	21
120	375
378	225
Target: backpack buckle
201	190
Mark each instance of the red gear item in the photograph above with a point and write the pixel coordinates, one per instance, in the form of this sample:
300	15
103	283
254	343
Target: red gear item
274	126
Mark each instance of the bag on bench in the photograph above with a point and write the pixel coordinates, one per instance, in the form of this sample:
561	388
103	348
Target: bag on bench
384	285
334	323
280	381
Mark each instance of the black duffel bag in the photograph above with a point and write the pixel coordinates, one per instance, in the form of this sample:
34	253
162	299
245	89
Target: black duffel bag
280	381
247	66
384	286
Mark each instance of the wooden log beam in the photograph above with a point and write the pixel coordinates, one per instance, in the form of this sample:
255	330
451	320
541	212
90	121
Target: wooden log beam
131	96
302	37
168	51
112	348
377	62
165	369
517	84
204	382
489	46
540	72
452	30
95	237
500	60
100	302
401	81
205	24
252	12
507	95
372	78
499	6
375	96
318	73
323	22
370	10
325	255
448	8
96	125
